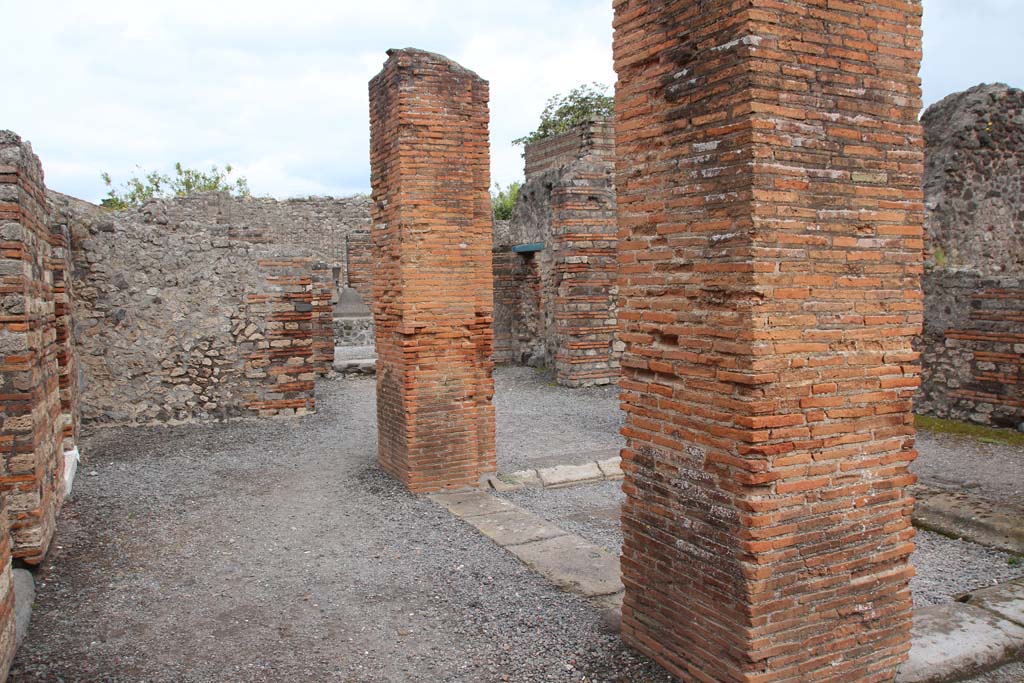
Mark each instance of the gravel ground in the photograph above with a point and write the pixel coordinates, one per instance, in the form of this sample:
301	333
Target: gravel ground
946	567
540	425
276	551
952	461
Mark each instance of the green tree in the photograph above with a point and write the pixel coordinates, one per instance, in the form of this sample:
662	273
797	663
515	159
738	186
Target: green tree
504	200
585	103
137	190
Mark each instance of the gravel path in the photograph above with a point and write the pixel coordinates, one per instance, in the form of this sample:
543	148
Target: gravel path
540	424
277	551
951	461
946	567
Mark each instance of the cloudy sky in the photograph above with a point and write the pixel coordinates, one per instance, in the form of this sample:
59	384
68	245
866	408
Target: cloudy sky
279	88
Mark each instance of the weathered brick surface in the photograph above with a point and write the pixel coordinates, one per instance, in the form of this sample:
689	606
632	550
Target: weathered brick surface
769	167
67	354
568	205
279	344
432	289
591	139
32	462
359	251
973	347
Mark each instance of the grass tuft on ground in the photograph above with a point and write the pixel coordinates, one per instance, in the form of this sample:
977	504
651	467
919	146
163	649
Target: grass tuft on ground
981	433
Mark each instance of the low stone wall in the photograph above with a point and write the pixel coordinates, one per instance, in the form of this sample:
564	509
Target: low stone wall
973	348
183	314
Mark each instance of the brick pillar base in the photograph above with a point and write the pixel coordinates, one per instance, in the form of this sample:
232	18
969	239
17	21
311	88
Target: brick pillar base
432	288
770	206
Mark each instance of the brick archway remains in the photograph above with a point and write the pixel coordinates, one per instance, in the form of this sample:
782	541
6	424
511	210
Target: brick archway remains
769	162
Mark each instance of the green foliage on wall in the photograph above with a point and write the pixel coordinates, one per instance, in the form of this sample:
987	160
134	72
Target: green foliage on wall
137	190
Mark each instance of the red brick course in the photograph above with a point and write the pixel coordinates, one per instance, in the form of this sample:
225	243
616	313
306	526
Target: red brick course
432	290
770	206
359	253
67	356
32	463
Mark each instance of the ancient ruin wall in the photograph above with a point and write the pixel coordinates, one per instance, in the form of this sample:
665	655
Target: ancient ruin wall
556	307
973	339
769	164
31	432
432	293
192	309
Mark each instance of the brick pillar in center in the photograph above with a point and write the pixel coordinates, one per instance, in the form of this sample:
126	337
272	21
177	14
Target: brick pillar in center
770	206
432	289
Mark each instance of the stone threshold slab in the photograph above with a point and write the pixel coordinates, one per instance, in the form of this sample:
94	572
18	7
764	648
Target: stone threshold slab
981	631
560	476
964	515
566	560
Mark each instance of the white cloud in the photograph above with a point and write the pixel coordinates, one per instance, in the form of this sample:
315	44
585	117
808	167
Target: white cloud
280	89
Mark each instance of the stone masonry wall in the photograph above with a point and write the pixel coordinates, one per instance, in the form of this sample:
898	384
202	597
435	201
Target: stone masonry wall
32	462
432	289
189	309
769	162
568	204
973	347
973	341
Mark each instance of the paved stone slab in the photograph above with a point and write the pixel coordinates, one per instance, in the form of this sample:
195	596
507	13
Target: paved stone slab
969	516
571	563
471	503
527	478
611	468
514	527
1006	600
954	640
565	475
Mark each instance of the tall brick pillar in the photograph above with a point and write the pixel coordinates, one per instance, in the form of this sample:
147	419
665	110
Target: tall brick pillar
770	206
432	288
31	459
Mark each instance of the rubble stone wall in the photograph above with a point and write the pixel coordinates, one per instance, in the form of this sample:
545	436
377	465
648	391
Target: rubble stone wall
193	309
973	340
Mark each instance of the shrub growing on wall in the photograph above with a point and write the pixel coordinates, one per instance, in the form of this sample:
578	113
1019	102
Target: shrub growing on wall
503	200
135	191
562	112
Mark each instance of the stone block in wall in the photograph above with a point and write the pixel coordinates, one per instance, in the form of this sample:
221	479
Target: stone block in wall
769	161
432	288
31	459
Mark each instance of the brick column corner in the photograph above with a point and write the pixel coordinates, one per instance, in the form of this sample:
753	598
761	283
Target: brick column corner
769	162
432	288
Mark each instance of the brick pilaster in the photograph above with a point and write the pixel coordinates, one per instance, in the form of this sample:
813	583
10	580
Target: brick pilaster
769	191
31	460
432	286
